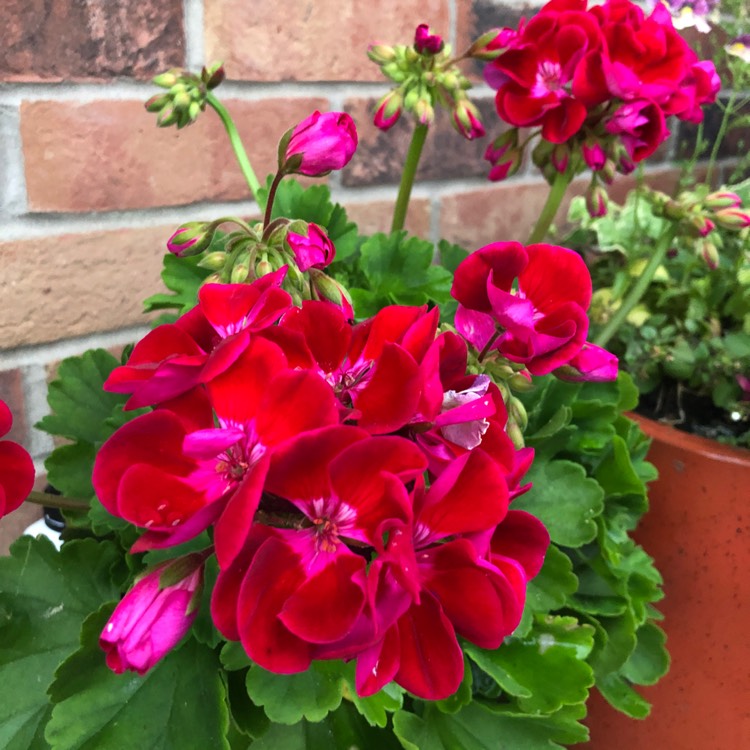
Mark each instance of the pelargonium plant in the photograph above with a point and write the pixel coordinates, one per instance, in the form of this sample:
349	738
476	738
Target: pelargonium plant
344	494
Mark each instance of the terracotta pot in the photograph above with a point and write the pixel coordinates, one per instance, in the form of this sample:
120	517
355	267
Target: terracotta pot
698	531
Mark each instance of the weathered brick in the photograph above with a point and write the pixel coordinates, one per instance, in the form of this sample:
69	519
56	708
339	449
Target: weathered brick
11	391
70	39
70	285
380	155
375	216
309	40
109	155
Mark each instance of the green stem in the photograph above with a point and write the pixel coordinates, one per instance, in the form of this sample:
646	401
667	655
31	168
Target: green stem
549	210
236	141
720	137
488	346
638	289
271	197
407	177
57	501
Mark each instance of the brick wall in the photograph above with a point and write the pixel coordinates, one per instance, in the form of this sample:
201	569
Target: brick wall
90	188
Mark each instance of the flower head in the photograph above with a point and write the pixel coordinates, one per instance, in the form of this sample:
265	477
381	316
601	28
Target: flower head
427	43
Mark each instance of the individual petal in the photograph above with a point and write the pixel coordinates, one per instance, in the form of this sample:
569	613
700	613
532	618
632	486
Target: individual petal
431	663
521	537
325	607
16	475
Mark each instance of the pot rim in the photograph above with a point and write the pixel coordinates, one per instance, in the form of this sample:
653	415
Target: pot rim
686	441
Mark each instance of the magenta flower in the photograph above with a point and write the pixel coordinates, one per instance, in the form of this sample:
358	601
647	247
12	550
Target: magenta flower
16	467
312	251
388	111
321	143
427	43
153	616
541	321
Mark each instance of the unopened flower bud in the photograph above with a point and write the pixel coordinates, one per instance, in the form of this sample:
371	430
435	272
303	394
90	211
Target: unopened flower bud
328	289
388	110
311	250
381	53
427	43
491	44
673	210
318	144
424	112
515	434
560	157
732	218
168	79
213	261
722	199
520	382
517	412
701	225
263	267
593	154
213	75
191	239
157	102
596	200
608	172
466	119
709	254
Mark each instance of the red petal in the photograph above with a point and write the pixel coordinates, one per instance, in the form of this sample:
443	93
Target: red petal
555	275
390	398
564	121
16	475
295	402
470	495
263	635
431	661
324	328
377	665
236	521
524	538
325	607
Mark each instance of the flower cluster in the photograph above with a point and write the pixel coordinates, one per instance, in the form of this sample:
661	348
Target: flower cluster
599	83
359	467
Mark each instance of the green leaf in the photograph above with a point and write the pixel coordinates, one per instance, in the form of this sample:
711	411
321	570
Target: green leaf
564	499
483	727
546	669
343	728
399	270
52	594
79	405
375	708
178	703
182	276
69	469
288	698
618	693
649	661
616	473
451	255
554	582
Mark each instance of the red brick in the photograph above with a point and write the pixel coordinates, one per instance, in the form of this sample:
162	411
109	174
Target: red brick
11	391
109	155
375	216
73	40
310	40
380	155
70	285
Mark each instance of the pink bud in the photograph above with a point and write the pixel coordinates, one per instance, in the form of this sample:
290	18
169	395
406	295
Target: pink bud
560	157
153	617
320	143
314	251
702	225
466	120
722	199
16	467
592	364
732	218
329	290
388	111
596	201
594	155
427	43
190	239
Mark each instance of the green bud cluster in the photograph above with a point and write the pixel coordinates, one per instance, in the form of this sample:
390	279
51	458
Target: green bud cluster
185	96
